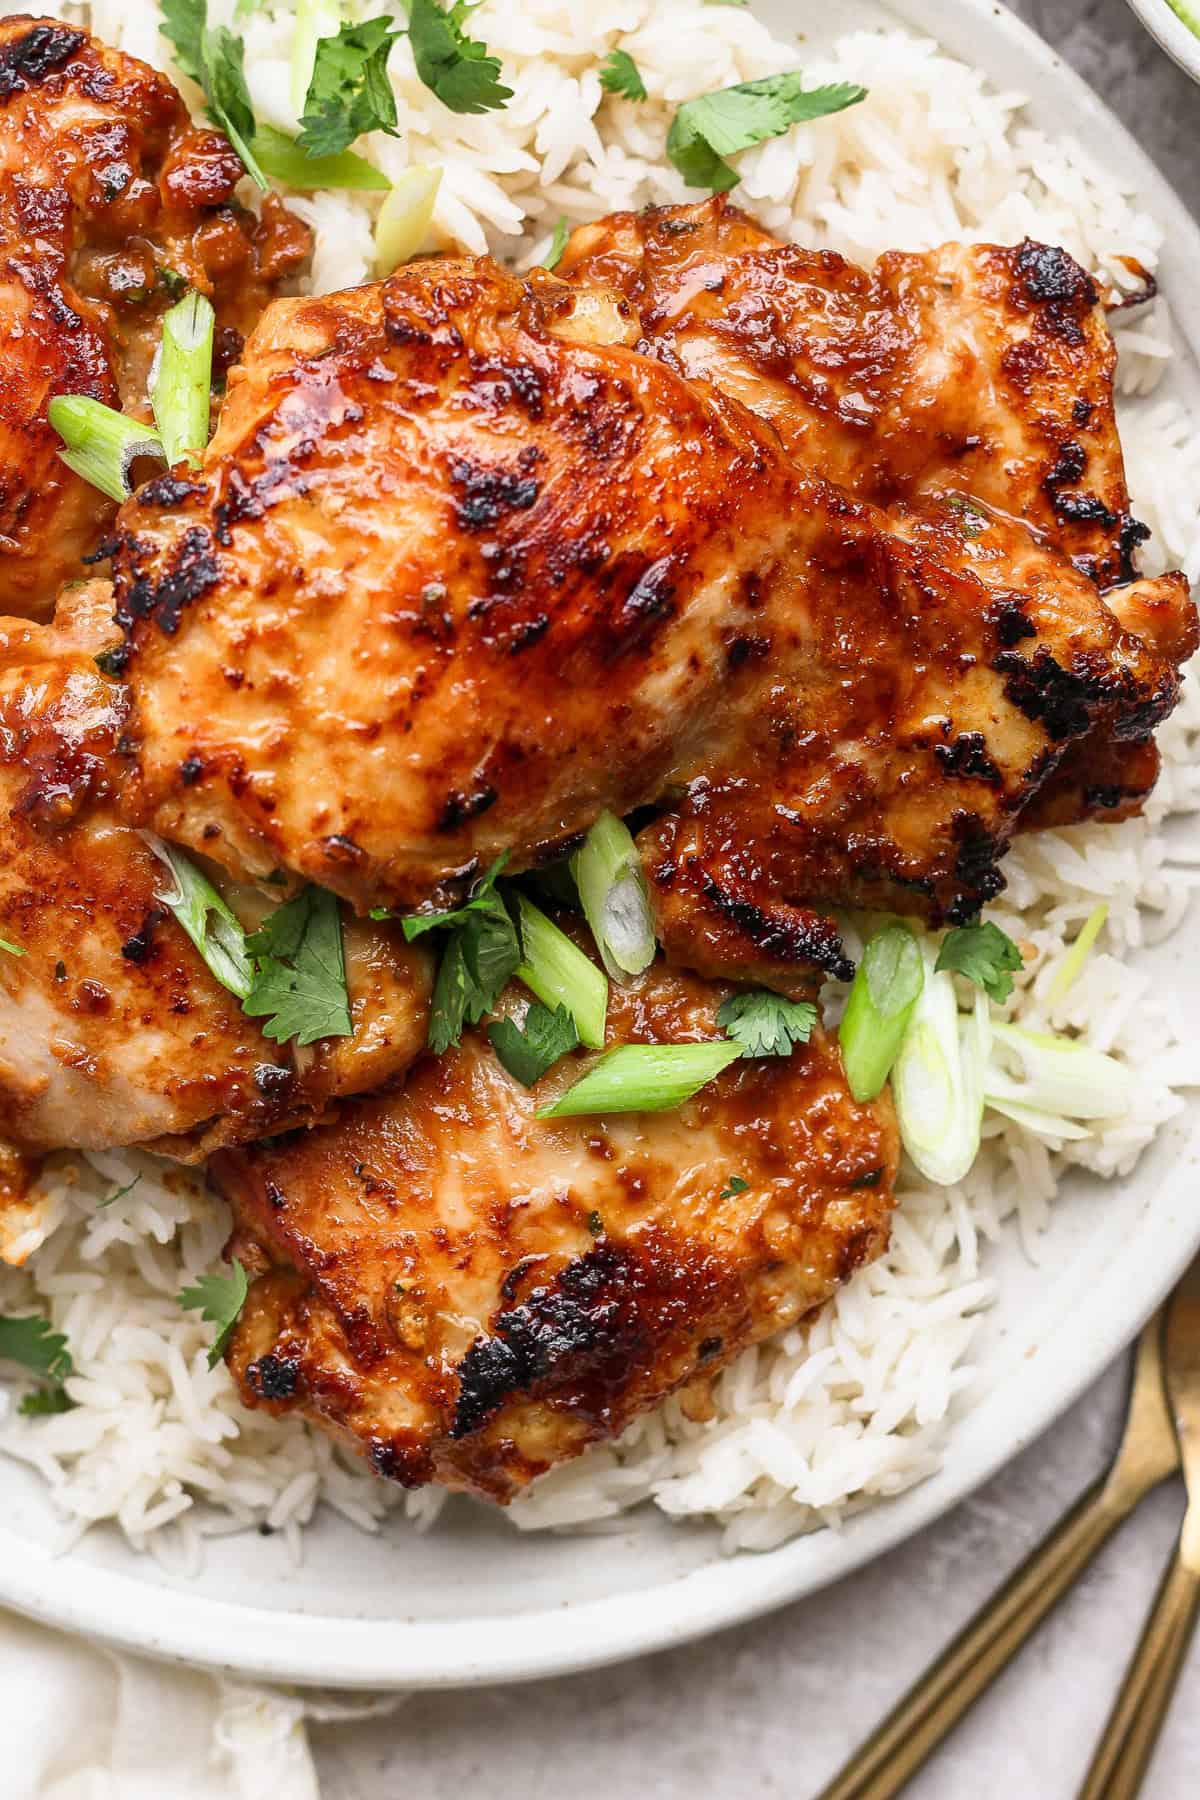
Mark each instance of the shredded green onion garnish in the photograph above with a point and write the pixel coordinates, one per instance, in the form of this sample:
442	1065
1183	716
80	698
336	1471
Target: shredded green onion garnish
208	921
612	892
560	974
891	974
1072	963
404	218
1059	1075
644	1078
12	949
181	379
938	1081
314	20
281	157
102	445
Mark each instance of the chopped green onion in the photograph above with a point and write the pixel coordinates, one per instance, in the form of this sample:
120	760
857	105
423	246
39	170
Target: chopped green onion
203	914
1059	1075
12	949
1068	969
560	974
558	244
314	20
181	379
886	987
938	1081
402	226
102	445
281	157
612	891
644	1078
1033	1119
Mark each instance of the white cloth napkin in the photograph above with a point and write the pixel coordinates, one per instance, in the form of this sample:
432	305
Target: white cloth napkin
81	1722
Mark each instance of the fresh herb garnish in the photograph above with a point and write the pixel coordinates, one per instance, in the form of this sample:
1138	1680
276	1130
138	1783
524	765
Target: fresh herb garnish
984	954
219	1300
766	1024
972	520
528	1050
12	949
120	1194
612	891
735	1185
619	74
554	968
707	130
215	58
102	445
34	1343
558	244
886	987
299	983
643	1078
455	67
175	284
207	920
181	379
480	957
283	159
39	1403
349	92
595	1223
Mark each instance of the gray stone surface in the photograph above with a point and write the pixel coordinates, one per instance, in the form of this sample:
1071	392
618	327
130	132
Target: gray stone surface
772	1709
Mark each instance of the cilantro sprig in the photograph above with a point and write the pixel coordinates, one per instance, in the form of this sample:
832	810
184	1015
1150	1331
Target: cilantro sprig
215	58
481	955
706	130
984	954
454	66
349	92
34	1344
219	1300
619	74
299	984
766	1024
529	1049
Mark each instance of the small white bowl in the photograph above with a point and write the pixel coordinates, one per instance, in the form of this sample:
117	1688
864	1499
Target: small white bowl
1177	39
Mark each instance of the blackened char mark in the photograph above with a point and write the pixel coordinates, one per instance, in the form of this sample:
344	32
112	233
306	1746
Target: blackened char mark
489	493
28	60
967	759
1043	690
460	809
140	947
168	490
975	867
191	570
1074	508
1055	282
273	1377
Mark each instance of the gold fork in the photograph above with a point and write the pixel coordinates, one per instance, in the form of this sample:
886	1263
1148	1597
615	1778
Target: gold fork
1141	1706
1148	1453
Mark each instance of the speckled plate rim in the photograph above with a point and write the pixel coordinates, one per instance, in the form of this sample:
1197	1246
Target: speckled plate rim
1106	1301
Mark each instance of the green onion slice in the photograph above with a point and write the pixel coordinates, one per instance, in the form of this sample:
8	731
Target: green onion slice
402	226
1072	963
102	445
181	379
886	987
938	1081
281	157
612	891
559	973
1059	1075
644	1078
208	921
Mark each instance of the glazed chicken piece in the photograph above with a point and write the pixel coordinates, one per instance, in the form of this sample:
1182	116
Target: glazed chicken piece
461	568
467	1294
111	202
112	1029
971	369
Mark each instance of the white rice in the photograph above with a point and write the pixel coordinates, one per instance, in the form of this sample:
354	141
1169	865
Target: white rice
856	1405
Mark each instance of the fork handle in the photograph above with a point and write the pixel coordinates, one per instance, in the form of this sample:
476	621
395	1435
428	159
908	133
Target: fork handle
917	1725
1131	1733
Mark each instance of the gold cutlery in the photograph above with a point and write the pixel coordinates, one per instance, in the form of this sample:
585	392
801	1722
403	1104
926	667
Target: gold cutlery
1148	1453
1133	1726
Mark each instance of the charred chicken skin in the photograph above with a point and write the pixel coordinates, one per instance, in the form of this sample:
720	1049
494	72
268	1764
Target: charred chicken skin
111	203
465	1293
461	568
112	1029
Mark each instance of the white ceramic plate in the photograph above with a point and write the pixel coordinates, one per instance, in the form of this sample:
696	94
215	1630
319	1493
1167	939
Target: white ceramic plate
1177	39
475	1602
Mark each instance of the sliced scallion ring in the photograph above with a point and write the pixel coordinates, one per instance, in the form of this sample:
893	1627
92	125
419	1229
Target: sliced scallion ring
612	892
559	973
101	445
644	1078
402	226
181	379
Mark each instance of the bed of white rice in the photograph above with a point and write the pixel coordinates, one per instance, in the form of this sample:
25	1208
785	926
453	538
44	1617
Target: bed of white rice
858	1404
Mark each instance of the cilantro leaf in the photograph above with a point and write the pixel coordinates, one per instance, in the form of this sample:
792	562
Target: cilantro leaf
455	67
984	954
528	1050
349	92
218	1299
735	1185
215	58
558	244
707	130
34	1343
39	1402
299	983
13	949
481	956
120	1194
766	1024
619	74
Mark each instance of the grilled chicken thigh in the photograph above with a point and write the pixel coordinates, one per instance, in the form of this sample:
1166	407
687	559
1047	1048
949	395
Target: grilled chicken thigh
461	568
468	1294
112	1030
971	369
111	202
